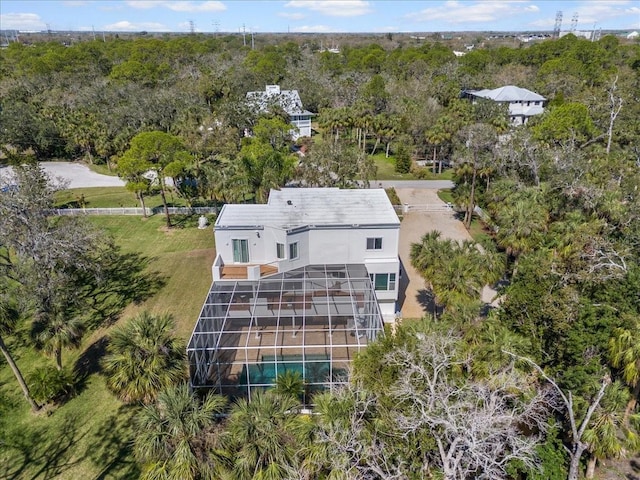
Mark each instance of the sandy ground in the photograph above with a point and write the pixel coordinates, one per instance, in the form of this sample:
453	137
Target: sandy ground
415	299
75	175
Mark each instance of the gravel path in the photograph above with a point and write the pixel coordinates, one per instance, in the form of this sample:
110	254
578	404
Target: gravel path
415	299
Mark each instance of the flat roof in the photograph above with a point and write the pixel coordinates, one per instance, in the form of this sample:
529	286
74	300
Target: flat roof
297	207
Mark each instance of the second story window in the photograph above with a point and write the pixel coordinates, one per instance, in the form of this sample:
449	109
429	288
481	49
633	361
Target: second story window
293	251
374	243
280	251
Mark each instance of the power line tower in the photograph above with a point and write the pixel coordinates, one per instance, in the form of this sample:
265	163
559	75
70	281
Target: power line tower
216	26
558	25
192	27
574	22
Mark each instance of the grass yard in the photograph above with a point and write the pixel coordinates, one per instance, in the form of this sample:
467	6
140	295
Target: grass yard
90	435
445	195
111	197
387	169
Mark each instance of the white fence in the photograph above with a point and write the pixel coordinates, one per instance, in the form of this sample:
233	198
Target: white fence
432	207
133	211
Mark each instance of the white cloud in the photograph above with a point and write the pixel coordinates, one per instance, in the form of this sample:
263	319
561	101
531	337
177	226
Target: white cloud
334	8
599	12
313	29
21	21
292	16
126	26
179	6
196	6
456	12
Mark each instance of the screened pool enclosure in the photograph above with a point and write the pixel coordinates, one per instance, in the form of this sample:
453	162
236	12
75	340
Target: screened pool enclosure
311	320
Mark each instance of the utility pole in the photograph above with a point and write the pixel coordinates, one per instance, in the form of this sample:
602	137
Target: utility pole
253	45
574	22
558	25
244	38
94	32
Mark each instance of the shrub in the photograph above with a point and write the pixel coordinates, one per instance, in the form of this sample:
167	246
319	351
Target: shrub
48	384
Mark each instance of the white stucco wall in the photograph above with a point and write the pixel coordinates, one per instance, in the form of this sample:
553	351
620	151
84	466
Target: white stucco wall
321	246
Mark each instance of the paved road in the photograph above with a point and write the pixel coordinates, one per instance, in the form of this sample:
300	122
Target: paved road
76	174
420	184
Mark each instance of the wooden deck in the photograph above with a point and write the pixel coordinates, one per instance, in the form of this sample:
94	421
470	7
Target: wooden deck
239	272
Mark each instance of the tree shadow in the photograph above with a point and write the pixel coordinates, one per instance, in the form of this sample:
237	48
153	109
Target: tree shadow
634	463
89	363
112	446
38	454
427	300
124	281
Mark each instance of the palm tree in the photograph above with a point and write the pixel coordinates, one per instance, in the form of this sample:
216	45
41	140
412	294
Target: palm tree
54	332
522	224
624	353
266	436
437	136
8	320
457	273
177	437
290	383
143	358
609	435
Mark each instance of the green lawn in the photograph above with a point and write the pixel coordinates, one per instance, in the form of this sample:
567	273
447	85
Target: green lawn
102	169
111	197
90	435
387	169
445	195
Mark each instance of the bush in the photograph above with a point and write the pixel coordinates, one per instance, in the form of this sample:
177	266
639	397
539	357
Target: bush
48	384
422	173
393	196
403	159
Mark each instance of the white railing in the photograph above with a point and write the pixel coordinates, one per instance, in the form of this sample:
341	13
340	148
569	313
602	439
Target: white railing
432	207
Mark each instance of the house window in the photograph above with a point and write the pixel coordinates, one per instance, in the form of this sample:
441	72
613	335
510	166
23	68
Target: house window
280	250
374	243
293	251
383	281
240	250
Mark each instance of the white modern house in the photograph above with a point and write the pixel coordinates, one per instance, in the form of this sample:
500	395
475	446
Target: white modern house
290	102
299	284
522	103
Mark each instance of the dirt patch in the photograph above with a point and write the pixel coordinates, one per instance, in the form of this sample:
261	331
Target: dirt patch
167	230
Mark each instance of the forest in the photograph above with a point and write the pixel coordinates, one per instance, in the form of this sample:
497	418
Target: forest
544	386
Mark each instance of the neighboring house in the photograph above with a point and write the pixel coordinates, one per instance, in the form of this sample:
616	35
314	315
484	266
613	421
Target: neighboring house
290	102
522	103
301	283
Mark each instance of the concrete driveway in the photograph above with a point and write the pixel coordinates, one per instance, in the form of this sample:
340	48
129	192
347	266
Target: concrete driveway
415	299
76	175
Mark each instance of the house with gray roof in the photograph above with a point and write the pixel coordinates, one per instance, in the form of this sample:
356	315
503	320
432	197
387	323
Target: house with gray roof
522	103
290	102
300	284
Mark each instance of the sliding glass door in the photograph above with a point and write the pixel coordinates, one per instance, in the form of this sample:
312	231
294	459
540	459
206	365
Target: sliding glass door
240	250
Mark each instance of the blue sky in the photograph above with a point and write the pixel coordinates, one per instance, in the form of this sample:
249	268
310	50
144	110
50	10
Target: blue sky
316	15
